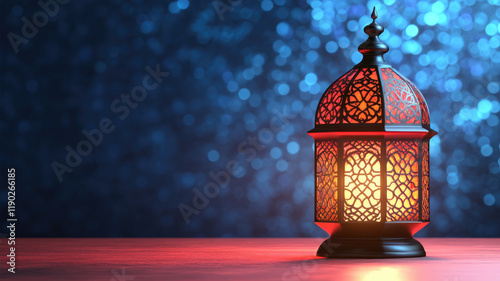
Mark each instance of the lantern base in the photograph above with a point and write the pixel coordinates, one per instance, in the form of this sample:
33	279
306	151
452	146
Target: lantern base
371	248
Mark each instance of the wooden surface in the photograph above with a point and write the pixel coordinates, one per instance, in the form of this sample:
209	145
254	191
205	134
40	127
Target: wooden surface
241	259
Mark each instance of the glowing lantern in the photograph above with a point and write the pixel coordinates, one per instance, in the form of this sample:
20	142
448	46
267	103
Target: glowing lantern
371	136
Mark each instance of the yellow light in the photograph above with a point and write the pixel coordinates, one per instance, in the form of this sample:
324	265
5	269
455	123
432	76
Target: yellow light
362	181
383	274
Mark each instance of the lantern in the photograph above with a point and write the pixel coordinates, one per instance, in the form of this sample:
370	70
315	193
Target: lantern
371	135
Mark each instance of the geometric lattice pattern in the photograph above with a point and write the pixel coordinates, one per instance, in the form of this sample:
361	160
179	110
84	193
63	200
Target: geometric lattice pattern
424	111
326	181
363	103
362	181
406	181
425	181
330	105
402	180
357	98
400	102
372	95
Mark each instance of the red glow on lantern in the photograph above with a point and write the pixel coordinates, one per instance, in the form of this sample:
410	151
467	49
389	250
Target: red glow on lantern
425	181
403	102
326	181
402	181
330	105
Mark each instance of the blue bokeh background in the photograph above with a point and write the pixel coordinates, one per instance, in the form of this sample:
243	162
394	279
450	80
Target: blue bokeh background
233	68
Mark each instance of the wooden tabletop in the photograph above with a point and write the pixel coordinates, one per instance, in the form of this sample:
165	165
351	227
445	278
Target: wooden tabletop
110	259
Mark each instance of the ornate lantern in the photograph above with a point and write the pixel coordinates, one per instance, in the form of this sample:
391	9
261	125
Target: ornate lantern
371	136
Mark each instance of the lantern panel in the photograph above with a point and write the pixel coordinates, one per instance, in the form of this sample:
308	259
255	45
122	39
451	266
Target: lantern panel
400	102
423	106
402	180
330	105
362	181
326	181
364	103
425	181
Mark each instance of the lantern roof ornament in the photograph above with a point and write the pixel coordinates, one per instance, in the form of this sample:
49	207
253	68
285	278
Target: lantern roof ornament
373	48
372	96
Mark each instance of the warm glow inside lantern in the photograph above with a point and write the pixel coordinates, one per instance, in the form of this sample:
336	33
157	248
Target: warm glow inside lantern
371	135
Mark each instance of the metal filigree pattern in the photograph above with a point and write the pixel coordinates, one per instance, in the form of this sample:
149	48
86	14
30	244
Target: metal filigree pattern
423	105
424	111
326	181
425	181
362	180
331	103
401	103
363	103
402	181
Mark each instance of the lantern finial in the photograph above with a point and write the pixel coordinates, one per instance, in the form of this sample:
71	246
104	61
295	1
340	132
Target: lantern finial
373	48
374	14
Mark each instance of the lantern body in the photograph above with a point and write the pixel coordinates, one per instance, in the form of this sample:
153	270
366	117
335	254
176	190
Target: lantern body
372	179
371	135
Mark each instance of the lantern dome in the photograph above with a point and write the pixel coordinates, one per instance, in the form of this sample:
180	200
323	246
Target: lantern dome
372	96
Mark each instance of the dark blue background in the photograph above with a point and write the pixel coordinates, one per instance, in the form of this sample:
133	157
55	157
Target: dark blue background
230	72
